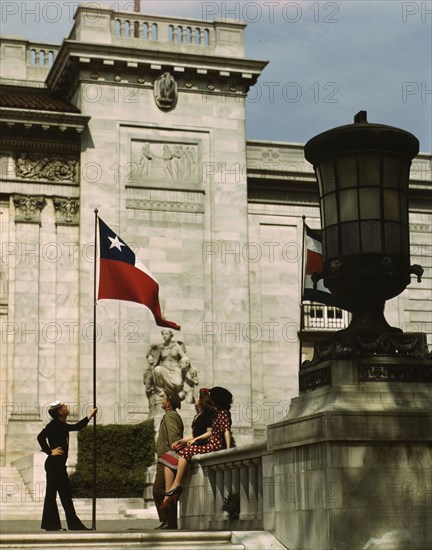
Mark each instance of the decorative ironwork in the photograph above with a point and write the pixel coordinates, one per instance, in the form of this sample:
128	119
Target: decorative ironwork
411	345
395	373
315	379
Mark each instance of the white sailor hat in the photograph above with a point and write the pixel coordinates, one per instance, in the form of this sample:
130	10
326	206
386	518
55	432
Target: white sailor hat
55	405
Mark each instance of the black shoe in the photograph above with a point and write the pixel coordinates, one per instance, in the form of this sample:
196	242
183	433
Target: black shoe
169	527
82	528
163	525
177	490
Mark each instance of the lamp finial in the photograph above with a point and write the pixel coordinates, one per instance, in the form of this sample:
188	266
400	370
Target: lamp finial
361	116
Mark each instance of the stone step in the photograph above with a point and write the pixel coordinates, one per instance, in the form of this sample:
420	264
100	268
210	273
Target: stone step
13	488
33	511
203	540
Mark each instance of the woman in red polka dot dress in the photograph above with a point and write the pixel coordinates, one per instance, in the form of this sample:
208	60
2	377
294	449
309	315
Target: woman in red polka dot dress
220	439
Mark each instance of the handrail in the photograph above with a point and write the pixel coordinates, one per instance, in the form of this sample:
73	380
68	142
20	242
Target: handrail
233	476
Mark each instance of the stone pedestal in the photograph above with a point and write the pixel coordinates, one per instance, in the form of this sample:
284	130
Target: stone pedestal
352	460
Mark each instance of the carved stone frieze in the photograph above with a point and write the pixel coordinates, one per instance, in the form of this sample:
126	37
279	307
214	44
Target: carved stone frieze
66	210
28	208
164	206
411	345
53	168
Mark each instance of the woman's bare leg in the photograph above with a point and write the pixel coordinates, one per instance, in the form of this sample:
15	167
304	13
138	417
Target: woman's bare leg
169	478
182	465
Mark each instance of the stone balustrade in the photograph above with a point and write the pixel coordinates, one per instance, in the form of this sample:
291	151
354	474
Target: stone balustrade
243	474
137	30
144	28
41	55
29	61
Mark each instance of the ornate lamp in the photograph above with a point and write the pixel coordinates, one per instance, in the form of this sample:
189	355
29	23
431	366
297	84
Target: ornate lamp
363	175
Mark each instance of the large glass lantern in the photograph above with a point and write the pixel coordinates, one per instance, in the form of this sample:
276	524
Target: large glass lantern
363	175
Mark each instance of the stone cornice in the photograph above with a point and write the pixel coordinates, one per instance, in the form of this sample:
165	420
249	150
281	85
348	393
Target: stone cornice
21	142
144	60
45	119
278	172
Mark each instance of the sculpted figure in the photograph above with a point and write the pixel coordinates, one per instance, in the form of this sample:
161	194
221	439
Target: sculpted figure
146	157
169	369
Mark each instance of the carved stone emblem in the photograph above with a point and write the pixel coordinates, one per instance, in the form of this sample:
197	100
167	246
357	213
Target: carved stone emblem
165	92
28	208
67	210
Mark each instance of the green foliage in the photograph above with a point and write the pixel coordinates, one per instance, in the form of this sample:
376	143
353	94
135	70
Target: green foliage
123	452
231	505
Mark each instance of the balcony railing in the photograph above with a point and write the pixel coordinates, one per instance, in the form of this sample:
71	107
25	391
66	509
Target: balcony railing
321	317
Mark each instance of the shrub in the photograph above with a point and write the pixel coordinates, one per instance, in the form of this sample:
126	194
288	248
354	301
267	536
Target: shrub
231	505
123	452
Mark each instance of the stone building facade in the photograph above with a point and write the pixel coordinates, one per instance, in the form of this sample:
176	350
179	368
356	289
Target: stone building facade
144	119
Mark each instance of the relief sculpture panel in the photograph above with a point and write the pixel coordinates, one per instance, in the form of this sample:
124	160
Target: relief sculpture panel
37	166
164	162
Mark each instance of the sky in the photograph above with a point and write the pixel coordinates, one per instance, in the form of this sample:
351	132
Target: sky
327	60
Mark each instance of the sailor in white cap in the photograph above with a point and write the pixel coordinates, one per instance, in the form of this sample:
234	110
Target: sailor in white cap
54	441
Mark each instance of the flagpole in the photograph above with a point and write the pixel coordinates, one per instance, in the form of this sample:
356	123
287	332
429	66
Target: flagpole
301	293
94	376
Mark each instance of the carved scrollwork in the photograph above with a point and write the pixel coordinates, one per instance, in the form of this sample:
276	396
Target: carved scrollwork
43	167
28	208
67	210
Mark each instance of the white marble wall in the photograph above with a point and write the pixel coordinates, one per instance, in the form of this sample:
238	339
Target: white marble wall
198	235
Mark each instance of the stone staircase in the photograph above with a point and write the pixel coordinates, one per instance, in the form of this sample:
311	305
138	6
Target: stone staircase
16	501
17	505
215	540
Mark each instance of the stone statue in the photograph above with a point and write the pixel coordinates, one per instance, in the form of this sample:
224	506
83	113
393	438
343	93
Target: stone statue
168	368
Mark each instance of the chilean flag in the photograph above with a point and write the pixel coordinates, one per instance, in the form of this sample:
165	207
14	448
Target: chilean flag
314	262
123	277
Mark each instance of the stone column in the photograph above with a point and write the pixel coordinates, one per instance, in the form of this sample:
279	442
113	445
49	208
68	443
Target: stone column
26	319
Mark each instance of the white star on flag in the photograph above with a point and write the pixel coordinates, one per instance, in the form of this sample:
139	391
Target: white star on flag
115	243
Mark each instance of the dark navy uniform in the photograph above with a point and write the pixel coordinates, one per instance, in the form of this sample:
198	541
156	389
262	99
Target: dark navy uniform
56	434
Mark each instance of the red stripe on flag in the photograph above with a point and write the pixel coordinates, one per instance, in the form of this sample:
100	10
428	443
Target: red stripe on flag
314	262
122	281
